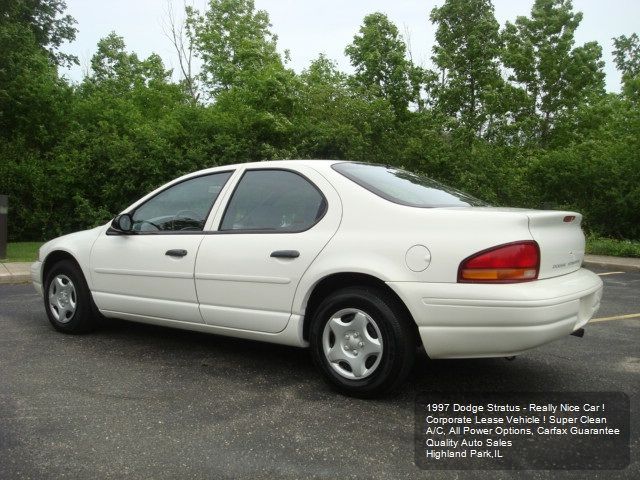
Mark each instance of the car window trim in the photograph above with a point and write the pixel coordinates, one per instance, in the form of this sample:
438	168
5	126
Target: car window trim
220	231
112	231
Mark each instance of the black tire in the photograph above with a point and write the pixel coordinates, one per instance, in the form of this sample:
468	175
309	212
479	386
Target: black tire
84	317
398	340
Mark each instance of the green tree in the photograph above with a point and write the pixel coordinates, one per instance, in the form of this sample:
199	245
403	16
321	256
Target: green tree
47	22
467	53
322	99
112	64
254	92
554	76
627	57
598	174
334	120
32	97
234	42
120	138
379	56
34	107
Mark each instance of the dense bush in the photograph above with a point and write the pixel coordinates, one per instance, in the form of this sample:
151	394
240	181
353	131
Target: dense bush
71	156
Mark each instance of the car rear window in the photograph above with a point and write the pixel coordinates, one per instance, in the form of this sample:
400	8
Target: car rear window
405	188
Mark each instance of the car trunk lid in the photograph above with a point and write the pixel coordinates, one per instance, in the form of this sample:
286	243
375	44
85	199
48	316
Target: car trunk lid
560	239
558	234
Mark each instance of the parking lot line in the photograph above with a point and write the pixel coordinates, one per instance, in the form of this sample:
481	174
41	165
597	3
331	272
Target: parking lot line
617	317
609	273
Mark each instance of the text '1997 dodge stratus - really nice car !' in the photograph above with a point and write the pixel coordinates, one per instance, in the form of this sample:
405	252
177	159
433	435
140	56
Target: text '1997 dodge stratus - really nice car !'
361	263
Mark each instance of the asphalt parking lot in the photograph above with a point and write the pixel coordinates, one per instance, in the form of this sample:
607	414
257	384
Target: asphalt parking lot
140	401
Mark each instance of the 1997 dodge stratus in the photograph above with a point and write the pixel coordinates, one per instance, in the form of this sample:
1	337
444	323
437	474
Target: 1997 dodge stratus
359	262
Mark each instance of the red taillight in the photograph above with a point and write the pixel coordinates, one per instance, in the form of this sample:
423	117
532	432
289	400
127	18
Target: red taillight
509	263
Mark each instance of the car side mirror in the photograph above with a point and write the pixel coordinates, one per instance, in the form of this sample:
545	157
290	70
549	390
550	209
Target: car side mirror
123	223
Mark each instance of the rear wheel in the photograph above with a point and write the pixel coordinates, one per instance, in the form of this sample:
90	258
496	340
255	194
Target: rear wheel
362	341
67	299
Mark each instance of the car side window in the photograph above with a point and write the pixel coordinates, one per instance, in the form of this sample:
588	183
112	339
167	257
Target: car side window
274	200
181	207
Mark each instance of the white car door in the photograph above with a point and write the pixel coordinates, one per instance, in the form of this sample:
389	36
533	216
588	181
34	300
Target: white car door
149	271
274	225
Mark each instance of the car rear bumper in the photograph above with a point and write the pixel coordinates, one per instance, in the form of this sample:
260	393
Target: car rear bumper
36	276
472	320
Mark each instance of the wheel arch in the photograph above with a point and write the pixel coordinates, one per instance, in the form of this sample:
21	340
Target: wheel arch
336	281
55	256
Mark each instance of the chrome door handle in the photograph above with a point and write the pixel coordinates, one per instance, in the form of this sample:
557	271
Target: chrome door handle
285	254
176	252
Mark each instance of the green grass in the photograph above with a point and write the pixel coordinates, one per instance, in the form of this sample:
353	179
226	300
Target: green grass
22	252
613	247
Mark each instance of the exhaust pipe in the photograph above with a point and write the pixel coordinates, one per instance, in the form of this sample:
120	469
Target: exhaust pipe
578	333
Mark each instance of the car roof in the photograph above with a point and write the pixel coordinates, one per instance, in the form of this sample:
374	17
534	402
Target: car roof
322	164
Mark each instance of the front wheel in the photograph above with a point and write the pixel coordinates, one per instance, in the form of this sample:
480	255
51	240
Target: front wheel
362	342
67	299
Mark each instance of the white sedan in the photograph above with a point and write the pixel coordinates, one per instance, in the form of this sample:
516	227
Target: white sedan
361	263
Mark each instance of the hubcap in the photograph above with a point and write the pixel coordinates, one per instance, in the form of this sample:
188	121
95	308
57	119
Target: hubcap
62	298
352	343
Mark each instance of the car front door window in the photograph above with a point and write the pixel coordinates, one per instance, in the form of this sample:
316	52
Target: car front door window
181	207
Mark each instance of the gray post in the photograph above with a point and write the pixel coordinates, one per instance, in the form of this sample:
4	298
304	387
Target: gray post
4	206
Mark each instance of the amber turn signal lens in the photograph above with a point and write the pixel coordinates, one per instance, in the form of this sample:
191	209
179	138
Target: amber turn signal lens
499	274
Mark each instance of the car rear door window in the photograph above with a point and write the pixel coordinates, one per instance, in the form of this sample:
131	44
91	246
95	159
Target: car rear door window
273	200
182	207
